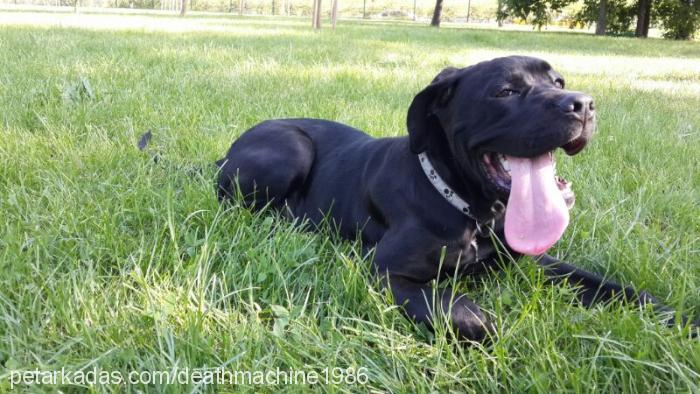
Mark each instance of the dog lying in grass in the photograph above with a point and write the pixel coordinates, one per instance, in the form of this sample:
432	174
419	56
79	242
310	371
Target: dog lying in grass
476	171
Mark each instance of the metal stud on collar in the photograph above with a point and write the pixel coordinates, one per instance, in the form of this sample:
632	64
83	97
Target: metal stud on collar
441	186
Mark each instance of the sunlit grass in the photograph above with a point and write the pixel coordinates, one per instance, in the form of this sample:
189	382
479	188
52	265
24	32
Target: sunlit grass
110	258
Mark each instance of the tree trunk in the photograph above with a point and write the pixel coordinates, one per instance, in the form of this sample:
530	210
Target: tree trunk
316	21
602	18
498	13
240	7
318	14
648	19
643	16
334	13
313	15
183	7
436	14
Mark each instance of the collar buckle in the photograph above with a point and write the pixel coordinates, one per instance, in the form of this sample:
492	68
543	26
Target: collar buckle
485	228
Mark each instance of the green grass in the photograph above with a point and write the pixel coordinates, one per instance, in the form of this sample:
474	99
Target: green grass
110	260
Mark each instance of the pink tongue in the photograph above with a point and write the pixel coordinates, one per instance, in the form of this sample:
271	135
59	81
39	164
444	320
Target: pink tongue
536	214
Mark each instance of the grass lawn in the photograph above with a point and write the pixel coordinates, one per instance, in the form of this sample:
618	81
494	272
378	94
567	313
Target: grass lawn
112	261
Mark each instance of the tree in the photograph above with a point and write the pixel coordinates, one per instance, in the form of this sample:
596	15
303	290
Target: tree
602	18
183	7
614	18
537	12
643	18
500	13
316	15
680	19
334	13
436	14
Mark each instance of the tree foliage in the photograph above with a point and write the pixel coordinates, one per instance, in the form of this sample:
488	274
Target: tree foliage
680	19
537	12
619	15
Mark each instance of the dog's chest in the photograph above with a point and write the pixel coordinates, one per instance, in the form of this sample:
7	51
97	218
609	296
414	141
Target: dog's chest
468	249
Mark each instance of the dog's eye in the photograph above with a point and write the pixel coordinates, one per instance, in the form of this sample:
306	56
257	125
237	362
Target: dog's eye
559	83
507	92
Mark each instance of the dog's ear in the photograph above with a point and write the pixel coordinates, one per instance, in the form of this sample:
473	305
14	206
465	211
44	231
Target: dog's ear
420	118
446	72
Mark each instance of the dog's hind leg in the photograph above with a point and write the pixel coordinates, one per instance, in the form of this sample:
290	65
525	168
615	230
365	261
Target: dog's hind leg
268	163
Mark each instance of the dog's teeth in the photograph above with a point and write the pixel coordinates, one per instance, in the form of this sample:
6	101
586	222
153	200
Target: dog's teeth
504	162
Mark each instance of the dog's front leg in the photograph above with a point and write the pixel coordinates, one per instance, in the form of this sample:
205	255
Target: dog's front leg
594	288
424	304
401	260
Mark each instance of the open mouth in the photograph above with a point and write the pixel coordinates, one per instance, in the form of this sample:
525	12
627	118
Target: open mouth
537	212
498	170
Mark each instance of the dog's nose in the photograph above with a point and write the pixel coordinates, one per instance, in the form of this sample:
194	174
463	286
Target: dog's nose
577	103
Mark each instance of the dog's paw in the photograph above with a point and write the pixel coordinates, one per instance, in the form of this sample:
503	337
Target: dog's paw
469	322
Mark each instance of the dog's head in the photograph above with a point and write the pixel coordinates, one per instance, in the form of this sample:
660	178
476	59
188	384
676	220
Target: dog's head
501	120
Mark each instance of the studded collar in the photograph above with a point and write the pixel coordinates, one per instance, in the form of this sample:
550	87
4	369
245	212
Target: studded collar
454	199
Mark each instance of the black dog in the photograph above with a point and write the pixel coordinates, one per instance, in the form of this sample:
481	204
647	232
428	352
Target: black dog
477	162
